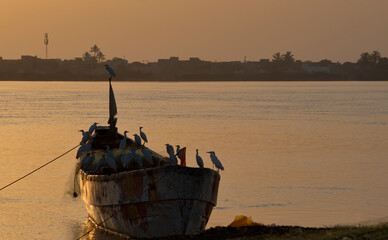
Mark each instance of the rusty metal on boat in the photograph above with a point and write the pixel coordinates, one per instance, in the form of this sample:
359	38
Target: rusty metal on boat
144	201
154	202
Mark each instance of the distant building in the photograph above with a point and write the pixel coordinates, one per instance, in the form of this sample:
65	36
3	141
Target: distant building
313	68
194	59
170	60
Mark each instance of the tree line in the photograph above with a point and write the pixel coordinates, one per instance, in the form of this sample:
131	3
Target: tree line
93	55
365	57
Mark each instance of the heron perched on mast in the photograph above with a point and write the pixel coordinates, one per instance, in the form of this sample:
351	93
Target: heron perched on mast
110	70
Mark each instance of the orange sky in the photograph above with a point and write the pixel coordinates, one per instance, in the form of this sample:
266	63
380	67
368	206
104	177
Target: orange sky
210	29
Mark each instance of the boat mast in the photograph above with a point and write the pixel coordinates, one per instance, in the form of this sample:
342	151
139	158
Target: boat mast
112	109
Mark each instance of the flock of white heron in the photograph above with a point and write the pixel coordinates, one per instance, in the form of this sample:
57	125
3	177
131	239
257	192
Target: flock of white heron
126	158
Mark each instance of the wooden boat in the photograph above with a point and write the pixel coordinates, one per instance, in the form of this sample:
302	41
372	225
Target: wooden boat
157	200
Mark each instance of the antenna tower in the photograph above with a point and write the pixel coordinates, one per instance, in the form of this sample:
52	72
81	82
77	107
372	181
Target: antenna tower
46	42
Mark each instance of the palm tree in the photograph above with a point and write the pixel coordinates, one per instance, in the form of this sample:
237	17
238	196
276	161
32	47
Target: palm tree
288	57
364	58
94	50
375	56
100	56
86	56
277	57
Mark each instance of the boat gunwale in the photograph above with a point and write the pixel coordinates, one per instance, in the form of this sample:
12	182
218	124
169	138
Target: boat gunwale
139	172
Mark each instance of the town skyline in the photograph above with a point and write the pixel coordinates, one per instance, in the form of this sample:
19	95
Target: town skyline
216	31
281	67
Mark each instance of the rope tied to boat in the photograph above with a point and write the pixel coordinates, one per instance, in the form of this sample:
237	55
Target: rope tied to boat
36	169
98	225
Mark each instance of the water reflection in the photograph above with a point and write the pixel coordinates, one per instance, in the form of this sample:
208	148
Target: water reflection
297	153
89	231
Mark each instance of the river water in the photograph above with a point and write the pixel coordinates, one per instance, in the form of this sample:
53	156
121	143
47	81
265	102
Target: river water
295	153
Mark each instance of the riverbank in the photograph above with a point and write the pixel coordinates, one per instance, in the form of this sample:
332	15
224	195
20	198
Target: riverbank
272	232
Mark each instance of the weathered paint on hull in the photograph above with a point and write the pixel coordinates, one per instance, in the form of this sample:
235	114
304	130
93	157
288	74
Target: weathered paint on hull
155	202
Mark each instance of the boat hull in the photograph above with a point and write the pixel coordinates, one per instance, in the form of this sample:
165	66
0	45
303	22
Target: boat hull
155	202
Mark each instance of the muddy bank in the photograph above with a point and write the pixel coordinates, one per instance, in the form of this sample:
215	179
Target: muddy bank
379	231
267	232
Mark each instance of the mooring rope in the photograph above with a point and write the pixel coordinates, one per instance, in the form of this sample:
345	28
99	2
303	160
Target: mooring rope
17	180
98	225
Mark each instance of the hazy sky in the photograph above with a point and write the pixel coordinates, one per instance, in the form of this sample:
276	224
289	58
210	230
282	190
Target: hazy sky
210	29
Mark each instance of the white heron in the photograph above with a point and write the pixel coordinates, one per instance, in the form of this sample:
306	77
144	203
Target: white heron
80	150
137	139
92	128
147	155
179	154
111	158
137	157
173	159
143	136
89	161
170	149
88	147
110	70
83	160
139	160
126	159
85	136
123	142
199	159
100	162
215	161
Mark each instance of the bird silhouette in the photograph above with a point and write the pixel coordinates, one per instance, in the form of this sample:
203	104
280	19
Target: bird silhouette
111	159
173	159
170	149
137	139
92	128
110	70
100	162
126	159
80	150
85	136
147	155
89	161
215	161
199	159
137	157
143	136
123	142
